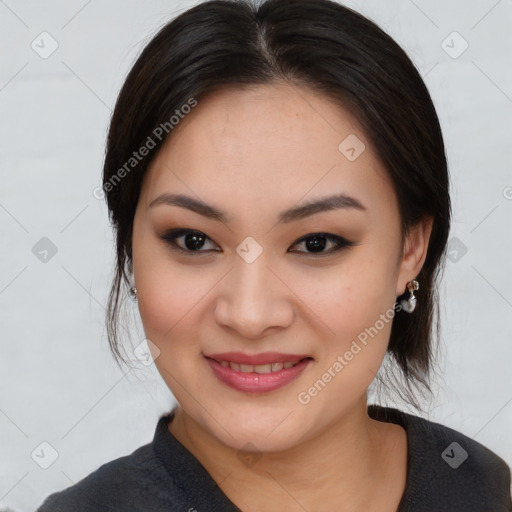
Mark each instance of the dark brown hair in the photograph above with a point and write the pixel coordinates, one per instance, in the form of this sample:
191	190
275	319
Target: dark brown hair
318	44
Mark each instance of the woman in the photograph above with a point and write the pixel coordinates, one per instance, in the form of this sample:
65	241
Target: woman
277	181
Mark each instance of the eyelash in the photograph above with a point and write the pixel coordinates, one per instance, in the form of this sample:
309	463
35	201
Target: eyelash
173	234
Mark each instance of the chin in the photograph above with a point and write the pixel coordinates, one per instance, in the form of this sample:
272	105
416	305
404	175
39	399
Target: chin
258	440
270	428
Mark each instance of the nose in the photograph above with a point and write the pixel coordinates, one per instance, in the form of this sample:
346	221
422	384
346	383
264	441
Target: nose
254	299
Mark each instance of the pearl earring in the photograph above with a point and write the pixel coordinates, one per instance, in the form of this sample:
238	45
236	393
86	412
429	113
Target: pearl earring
133	292
410	304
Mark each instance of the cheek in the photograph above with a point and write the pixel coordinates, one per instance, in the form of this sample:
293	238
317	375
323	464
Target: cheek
169	303
168	300
165	292
352	296
355	302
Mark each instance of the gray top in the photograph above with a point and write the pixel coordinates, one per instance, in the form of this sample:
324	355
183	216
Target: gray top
447	471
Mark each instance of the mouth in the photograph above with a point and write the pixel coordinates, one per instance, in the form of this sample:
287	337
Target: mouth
257	373
257	368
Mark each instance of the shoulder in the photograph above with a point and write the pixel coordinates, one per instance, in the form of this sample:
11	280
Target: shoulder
159	476
129	483
451	471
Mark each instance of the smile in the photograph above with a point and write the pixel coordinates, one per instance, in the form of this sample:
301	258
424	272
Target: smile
257	373
257	368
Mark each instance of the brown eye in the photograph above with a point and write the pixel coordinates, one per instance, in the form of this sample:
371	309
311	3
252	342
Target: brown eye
193	241
317	242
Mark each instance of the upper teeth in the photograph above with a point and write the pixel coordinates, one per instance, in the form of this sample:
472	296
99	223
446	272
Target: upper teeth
257	368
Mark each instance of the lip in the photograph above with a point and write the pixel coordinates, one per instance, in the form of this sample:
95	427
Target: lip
261	358
253	382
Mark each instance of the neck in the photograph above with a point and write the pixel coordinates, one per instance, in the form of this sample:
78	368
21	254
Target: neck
352	462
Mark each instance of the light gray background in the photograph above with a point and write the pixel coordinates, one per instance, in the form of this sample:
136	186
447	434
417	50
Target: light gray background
58	381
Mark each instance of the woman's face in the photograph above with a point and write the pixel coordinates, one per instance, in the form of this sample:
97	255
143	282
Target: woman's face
255	286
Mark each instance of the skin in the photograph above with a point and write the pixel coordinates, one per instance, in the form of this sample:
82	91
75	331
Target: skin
253	153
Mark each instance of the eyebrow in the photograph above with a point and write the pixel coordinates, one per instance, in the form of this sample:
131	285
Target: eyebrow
295	213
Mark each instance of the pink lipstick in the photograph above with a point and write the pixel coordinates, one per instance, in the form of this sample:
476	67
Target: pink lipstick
257	373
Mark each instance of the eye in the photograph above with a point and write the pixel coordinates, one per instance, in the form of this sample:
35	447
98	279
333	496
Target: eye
316	242
194	241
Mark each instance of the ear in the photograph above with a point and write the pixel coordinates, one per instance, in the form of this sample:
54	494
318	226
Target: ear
414	253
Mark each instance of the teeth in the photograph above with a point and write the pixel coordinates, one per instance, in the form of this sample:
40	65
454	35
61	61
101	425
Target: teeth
257	368
263	368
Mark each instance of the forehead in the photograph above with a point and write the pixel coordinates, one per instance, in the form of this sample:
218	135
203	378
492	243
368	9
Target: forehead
266	144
